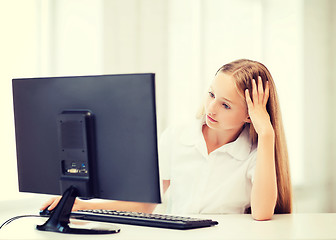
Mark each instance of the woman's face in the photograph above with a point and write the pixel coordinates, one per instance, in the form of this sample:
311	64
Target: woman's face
225	109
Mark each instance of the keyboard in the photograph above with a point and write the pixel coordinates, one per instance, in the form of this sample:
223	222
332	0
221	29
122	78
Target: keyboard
143	219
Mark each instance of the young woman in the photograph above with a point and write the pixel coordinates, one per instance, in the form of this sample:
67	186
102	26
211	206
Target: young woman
233	159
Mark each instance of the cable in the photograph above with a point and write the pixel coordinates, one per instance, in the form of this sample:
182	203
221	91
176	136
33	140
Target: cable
15	218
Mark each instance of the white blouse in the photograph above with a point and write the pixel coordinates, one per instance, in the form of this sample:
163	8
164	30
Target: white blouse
219	182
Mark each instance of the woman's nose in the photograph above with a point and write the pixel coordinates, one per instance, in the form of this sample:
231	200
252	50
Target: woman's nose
212	108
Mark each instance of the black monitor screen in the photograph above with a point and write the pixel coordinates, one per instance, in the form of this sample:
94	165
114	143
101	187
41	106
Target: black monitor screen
97	133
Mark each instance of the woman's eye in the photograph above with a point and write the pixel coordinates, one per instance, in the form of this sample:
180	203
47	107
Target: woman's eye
226	106
211	95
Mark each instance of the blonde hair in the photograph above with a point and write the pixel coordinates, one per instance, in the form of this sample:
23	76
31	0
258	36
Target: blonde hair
243	71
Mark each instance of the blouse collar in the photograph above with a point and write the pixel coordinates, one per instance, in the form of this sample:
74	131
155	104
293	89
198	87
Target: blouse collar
238	149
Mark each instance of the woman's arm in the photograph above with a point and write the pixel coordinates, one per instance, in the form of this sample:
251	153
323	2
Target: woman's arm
104	204
120	206
108	205
264	189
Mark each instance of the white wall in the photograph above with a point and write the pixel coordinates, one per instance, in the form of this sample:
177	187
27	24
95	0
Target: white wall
332	168
78	37
319	109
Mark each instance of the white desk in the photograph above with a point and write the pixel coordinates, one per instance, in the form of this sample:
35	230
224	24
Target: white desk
294	226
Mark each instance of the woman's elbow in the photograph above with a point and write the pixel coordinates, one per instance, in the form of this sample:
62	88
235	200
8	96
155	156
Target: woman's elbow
262	215
263	210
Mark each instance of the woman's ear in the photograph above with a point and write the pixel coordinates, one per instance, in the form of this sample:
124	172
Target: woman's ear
248	119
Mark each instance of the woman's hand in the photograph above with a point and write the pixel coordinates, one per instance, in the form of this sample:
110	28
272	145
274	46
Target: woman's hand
257	107
52	203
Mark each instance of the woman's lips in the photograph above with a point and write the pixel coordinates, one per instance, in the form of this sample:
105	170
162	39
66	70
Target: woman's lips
211	119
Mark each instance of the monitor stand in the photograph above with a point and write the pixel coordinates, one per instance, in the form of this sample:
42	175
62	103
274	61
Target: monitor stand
60	217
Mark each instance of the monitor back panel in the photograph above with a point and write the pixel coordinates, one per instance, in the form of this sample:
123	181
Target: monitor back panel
125	132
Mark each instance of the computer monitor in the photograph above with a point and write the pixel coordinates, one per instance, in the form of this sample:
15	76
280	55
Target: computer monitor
87	136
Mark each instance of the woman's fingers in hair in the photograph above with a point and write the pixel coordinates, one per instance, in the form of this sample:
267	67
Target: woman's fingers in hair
255	96
260	89
248	98
266	95
259	93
